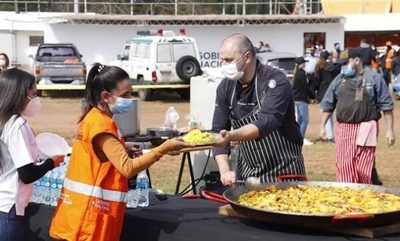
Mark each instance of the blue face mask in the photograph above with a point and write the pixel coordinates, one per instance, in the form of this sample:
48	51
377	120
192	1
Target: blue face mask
121	105
348	70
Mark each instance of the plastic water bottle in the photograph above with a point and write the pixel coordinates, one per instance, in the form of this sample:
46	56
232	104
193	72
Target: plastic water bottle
35	198
132	199
47	186
142	189
40	188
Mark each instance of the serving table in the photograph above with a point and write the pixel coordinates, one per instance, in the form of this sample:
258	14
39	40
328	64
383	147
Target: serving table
178	219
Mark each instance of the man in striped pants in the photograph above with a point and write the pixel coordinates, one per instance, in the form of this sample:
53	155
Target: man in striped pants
359	96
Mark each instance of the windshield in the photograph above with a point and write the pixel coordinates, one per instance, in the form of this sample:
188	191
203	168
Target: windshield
56	51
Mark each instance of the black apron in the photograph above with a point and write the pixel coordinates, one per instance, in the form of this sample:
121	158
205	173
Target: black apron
267	158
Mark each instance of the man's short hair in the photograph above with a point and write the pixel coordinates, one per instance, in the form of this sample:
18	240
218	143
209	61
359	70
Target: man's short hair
243	43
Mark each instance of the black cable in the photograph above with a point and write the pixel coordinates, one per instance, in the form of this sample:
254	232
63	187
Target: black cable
187	189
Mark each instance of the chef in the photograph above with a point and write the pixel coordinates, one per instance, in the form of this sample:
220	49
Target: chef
254	106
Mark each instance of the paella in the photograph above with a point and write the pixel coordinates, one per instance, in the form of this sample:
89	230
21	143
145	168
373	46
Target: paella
320	200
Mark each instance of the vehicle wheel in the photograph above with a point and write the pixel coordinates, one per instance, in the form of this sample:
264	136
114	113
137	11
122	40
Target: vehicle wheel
144	94
184	93
187	67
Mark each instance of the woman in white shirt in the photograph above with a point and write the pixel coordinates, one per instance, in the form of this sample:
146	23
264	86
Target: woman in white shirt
18	150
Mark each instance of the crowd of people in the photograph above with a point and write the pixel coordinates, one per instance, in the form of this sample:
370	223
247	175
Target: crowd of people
256	106
345	81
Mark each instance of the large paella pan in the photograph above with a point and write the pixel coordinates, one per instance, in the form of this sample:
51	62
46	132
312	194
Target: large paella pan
309	219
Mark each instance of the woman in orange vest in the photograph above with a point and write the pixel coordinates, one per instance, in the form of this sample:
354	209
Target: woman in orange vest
92	202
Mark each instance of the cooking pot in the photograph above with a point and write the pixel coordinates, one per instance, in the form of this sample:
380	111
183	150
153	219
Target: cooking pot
129	123
310	220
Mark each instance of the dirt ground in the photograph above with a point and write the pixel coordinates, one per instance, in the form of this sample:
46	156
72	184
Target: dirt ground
60	115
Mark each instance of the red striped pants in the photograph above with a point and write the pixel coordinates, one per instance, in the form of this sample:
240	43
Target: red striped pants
353	163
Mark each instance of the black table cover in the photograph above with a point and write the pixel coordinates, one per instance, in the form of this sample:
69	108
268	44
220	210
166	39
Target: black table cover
180	219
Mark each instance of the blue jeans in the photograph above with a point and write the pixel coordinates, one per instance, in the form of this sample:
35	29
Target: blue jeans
302	116
11	226
329	127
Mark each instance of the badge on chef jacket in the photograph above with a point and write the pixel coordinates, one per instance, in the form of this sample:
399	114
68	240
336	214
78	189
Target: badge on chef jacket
272	84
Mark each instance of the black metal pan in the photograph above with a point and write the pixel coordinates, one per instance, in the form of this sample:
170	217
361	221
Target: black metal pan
304	220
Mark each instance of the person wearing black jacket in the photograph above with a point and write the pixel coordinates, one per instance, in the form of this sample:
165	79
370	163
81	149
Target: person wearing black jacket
302	93
326	70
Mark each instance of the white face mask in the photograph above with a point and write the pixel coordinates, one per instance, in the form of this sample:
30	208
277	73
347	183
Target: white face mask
230	71
32	108
2	62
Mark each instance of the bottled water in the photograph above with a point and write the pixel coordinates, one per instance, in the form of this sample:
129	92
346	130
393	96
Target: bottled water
132	199
142	188
53	188
35	198
47	186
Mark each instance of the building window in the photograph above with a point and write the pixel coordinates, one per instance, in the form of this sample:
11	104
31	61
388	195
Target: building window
314	41
35	40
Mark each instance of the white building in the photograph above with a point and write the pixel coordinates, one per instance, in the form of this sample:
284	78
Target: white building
101	37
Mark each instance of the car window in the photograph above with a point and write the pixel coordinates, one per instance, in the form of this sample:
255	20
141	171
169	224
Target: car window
163	53
141	50
182	49
283	63
56	51
125	54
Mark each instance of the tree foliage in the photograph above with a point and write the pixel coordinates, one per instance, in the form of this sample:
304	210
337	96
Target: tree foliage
155	7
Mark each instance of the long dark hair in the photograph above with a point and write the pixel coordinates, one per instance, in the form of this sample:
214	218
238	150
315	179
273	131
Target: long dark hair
6	59
320	66
100	78
14	88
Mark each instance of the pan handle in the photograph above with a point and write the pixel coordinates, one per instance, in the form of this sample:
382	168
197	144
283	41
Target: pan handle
359	217
213	196
291	176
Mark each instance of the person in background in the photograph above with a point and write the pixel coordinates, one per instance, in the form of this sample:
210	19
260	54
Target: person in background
367	53
309	67
92	203
396	66
325	71
259	47
334	57
336	47
302	95
359	95
387	66
18	151
376	62
256	101
4	62
267	48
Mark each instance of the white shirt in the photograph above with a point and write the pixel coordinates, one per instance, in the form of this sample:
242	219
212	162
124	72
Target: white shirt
18	148
309	67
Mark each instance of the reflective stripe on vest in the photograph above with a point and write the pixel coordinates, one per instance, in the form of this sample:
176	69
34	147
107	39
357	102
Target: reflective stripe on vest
93	191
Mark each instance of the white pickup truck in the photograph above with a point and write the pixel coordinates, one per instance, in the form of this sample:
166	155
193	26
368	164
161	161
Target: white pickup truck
160	58
59	63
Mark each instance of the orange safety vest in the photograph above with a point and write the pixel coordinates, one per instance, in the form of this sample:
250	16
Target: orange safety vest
388	59
92	202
